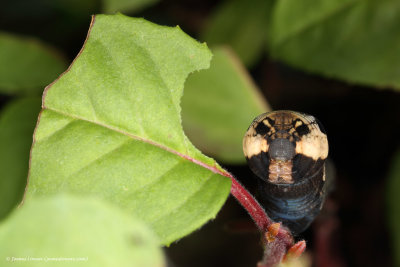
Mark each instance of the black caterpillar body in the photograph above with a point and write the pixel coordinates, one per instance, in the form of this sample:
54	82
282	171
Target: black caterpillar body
287	151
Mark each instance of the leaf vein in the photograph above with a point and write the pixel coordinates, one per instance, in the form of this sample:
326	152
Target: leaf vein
99	158
47	137
170	150
188	198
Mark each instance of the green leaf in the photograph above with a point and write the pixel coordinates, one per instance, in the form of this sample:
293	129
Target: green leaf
241	25
218	106
112	6
17	122
27	65
356	41
393	208
111	127
70	231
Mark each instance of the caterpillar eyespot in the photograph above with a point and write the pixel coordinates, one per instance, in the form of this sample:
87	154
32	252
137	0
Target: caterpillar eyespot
287	151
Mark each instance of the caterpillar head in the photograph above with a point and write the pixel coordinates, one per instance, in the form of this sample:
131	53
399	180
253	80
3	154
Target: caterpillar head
285	147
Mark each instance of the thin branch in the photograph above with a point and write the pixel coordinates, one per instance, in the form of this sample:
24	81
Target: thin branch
256	212
278	240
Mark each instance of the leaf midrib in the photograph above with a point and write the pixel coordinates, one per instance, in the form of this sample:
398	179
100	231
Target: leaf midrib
151	142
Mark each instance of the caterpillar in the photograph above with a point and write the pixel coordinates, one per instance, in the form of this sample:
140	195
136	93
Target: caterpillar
287	150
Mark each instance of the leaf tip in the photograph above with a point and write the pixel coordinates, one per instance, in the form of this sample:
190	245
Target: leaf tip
295	251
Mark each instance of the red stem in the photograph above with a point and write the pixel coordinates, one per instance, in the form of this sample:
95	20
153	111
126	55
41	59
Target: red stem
281	242
254	209
275	250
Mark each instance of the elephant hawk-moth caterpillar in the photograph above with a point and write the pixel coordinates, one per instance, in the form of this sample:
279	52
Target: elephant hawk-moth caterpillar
287	151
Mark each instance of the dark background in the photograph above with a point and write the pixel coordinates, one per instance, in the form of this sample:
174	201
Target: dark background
362	125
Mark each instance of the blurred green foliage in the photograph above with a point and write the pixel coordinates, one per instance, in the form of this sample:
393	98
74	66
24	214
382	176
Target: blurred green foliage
356	41
218	104
28	65
65	230
242	25
111	6
17	121
393	207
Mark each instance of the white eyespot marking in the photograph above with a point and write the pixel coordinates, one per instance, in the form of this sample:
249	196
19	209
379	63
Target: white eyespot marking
254	145
313	144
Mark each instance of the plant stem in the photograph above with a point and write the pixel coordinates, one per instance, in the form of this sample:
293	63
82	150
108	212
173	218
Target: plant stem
277	247
278	240
252	206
